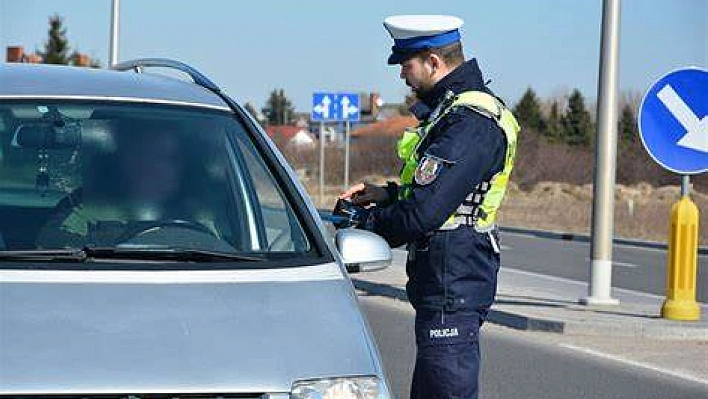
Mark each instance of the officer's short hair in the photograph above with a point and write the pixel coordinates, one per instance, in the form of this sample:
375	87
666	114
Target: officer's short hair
452	54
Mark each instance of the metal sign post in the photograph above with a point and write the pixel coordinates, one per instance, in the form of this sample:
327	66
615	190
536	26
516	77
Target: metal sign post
322	162
599	289
114	34
346	155
348	111
322	111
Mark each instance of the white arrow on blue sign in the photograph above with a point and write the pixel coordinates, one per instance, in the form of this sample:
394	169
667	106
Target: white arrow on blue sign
348	106
323	107
673	121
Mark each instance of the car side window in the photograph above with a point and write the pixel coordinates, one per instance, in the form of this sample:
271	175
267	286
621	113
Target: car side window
280	226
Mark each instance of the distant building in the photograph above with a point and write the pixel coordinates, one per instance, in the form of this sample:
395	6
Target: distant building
82	60
34	59
16	54
392	110
289	135
391	127
369	104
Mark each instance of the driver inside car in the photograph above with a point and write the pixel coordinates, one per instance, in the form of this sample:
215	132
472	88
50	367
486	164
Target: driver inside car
124	192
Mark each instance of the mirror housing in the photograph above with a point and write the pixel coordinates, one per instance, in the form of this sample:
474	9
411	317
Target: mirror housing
362	251
43	135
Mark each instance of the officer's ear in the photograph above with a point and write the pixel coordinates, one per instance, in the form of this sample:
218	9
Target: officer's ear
436	63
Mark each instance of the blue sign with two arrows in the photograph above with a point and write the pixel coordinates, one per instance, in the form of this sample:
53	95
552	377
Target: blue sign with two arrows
335	107
673	121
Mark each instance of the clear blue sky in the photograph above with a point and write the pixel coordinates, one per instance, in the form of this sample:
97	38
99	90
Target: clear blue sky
252	47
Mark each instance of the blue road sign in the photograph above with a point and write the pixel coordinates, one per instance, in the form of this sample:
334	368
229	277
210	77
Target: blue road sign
335	107
673	121
348	107
323	107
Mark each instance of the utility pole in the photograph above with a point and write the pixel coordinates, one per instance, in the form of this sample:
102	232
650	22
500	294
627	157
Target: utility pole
113	58
599	290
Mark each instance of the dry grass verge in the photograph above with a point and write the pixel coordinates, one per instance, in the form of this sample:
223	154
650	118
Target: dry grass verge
641	211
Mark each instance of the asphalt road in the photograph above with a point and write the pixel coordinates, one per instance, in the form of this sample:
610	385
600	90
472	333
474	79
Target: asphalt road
635	268
520	365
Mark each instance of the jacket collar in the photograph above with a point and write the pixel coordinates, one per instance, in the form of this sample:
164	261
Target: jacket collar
465	77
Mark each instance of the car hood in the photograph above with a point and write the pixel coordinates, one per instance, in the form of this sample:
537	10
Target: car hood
142	332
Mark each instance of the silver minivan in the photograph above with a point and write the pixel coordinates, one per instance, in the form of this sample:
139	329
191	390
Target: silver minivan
155	244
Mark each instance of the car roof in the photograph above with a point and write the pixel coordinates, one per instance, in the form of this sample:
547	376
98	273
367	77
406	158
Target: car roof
58	81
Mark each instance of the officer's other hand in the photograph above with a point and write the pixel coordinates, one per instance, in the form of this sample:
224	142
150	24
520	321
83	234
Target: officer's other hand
347	195
364	194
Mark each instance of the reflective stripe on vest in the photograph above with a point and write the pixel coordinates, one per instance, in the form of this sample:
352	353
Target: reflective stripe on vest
480	207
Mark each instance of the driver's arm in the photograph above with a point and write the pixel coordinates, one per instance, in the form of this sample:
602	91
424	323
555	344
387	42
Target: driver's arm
66	228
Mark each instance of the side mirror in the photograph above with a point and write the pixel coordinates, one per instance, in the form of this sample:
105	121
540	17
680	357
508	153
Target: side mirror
362	251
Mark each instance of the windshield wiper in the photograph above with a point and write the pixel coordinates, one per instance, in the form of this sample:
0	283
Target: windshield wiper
45	255
167	253
132	253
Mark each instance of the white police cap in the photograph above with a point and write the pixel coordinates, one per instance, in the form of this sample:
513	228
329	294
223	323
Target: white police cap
413	33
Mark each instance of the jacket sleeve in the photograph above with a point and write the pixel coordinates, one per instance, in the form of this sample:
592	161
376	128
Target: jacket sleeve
470	148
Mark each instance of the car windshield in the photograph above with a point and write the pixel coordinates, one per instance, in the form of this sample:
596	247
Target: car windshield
132	177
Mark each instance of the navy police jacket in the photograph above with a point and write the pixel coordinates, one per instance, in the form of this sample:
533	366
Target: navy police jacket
448	269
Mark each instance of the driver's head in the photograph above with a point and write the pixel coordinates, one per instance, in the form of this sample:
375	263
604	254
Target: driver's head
149	161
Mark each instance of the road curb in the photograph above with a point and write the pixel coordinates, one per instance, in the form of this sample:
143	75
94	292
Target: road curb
557	235
525	322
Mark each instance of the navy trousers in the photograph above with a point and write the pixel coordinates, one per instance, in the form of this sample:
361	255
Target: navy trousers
447	361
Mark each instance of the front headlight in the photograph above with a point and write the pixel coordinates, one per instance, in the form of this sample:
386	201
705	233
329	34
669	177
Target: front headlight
340	388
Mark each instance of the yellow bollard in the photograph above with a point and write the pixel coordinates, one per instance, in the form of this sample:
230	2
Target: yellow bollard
681	268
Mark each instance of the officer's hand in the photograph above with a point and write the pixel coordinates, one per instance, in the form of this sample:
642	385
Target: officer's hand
346	214
365	194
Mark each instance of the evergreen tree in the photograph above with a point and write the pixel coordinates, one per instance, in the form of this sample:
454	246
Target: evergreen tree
627	125
528	112
554	128
577	126
56	49
278	110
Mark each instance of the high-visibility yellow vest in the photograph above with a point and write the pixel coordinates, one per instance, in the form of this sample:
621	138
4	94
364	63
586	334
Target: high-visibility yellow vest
480	207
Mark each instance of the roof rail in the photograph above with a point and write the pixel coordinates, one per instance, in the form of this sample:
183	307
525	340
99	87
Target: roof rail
196	76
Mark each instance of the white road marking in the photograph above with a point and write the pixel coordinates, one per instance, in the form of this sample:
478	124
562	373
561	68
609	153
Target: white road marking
625	264
635	363
544	276
620	264
576	282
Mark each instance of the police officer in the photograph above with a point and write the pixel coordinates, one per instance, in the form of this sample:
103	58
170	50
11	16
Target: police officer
456	165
